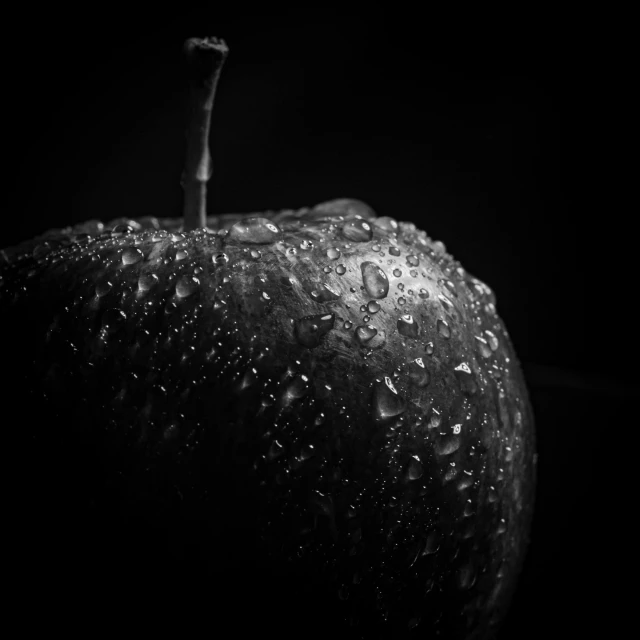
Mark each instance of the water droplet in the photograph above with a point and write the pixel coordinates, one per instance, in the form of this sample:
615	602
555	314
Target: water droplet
146	281
445	302
418	374
325	293
443	329
255	231
394	251
310	329
408	327
424	294
386	401
103	287
296	389
327	269
186	285
341	269
256	255
348	324
397	273
220	258
373	307
447	446
493	340
375	280
131	255
429	348
181	254
386	223
333	254
357	230
415	470
275	450
402	301
466	379
365	333
413	261
306	245
121	229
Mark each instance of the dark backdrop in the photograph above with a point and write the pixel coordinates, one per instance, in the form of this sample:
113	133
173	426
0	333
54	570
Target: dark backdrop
487	133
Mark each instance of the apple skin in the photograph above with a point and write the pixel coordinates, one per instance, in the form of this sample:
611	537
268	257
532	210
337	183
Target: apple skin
212	409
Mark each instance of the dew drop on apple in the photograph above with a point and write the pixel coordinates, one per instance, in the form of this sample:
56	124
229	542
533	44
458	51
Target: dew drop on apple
375	280
387	403
333	253
418	373
186	285
364	333
121	229
220	258
394	251
310	330
373	307
386	223
325	293
102	288
131	255
341	269
402	301
147	281
483	347
415	470
397	273
408	327
181	254
348	324
429	348
443	328
357	230
275	451
255	231
413	261
492	339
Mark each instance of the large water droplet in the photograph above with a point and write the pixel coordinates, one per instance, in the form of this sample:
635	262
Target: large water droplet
394	251
386	401
483	347
333	254
186	285
492	339
386	223
365	333
357	230
415	470
341	269
375	280
408	327
443	329
373	307
255	231
131	255
103	287
310	329
418	374
325	293
146	281
296	389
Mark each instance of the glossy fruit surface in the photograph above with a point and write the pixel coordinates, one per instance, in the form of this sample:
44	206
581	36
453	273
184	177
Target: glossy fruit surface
312	420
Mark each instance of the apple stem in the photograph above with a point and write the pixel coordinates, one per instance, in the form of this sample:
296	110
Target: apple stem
205	58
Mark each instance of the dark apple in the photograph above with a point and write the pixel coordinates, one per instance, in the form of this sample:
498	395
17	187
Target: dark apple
296	423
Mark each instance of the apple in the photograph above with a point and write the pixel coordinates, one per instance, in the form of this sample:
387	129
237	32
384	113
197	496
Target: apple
307	422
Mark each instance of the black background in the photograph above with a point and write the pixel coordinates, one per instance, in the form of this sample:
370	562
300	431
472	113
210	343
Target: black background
489	133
